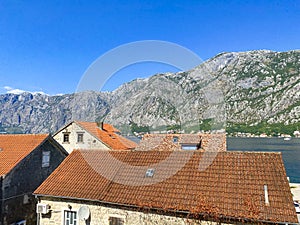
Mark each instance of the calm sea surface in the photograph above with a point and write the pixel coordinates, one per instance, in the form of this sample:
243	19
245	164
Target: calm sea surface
290	151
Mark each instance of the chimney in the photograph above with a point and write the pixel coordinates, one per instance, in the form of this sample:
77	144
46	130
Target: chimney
100	125
266	195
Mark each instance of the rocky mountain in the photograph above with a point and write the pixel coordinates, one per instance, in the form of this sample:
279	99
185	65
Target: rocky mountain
38	113
237	90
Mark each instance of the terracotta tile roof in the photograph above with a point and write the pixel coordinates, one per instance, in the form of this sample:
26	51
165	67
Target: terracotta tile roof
209	142
13	148
108	135
109	128
231	187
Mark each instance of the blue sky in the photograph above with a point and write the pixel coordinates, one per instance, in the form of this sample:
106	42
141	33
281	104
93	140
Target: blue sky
47	46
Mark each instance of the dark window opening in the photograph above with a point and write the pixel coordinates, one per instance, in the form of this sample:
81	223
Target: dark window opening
116	221
66	137
70	218
175	139
79	137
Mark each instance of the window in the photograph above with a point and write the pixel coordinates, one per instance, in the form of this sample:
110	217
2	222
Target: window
175	139
25	199
116	221
66	137
189	146
46	159
79	137
70	218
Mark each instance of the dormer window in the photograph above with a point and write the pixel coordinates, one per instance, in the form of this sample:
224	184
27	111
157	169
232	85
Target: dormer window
175	139
189	146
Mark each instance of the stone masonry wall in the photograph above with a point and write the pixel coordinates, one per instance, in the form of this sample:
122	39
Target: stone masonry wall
89	141
101	214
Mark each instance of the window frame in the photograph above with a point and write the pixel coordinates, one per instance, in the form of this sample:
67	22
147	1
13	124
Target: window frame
80	134
189	146
118	220
66	134
175	139
74	219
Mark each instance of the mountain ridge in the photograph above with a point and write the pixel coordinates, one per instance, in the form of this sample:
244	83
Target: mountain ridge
250	88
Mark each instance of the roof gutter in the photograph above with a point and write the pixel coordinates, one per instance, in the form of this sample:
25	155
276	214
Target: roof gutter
225	218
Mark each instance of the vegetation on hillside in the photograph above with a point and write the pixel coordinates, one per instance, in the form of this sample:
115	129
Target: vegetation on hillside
275	129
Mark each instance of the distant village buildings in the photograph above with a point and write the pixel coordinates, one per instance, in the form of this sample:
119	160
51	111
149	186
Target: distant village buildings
297	133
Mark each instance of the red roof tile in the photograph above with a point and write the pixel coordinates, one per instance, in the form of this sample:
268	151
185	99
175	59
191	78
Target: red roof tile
13	148
231	187
207	142
108	135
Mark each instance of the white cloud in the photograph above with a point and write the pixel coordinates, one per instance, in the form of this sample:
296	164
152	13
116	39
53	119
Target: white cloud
15	91
10	90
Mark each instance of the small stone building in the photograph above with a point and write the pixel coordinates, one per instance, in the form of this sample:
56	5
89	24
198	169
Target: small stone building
25	162
90	135
166	187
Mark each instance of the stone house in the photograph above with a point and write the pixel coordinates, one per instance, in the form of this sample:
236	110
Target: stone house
90	135
25	162
166	187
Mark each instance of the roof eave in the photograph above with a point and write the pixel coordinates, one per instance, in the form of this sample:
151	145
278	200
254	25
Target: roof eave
220	218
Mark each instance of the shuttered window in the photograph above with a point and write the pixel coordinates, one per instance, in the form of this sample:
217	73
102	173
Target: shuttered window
70	218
